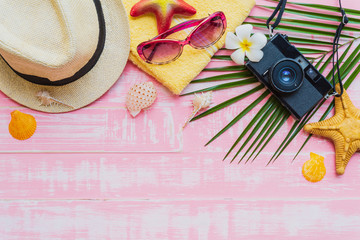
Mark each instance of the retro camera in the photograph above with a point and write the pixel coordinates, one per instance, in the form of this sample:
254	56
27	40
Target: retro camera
290	76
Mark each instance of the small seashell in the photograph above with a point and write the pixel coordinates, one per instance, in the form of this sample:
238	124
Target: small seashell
47	100
140	96
22	126
314	169
200	102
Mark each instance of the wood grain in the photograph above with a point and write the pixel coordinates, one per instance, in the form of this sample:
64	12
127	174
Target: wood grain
171	176
97	173
196	220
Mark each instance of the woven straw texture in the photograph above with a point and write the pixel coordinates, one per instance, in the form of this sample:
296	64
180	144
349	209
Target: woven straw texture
90	87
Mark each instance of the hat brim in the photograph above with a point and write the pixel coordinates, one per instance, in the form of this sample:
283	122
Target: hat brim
90	87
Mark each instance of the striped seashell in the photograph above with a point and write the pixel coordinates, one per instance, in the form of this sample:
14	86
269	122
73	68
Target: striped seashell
22	126
47	100
314	169
201	101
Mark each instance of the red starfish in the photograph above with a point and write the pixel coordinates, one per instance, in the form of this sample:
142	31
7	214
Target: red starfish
164	10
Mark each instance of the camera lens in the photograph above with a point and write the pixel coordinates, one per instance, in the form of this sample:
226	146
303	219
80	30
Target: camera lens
287	76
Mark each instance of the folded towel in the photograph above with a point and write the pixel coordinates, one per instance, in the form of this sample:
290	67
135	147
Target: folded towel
178	74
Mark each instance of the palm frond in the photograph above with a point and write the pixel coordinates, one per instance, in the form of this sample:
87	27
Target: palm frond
318	16
225	69
273	117
238	75
228	102
264	109
222	57
312	33
329	8
225	86
242	114
258	126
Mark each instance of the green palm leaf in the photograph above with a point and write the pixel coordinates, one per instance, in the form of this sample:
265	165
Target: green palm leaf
225	69
258	126
302	30
319	16
265	108
242	74
275	115
222	57
330	8
242	114
309	23
308	33
228	103
225	86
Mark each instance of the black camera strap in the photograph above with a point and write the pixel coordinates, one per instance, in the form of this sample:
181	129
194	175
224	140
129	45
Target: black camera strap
341	26
280	8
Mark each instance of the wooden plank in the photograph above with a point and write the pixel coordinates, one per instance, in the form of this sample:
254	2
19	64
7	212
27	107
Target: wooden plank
174	176
196	220
94	130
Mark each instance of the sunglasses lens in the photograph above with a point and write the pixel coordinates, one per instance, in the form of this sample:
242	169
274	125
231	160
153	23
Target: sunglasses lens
208	33
161	52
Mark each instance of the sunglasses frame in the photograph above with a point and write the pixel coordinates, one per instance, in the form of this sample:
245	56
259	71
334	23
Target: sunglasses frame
188	24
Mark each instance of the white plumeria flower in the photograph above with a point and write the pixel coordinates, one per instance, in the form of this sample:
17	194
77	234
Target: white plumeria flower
245	44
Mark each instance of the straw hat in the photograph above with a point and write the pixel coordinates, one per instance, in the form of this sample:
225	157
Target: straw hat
73	49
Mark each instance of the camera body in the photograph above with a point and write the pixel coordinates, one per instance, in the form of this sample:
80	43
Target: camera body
290	76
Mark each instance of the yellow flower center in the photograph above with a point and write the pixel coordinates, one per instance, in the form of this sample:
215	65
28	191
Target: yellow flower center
245	45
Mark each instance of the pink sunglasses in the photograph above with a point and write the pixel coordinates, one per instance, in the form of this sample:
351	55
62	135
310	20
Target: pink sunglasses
207	32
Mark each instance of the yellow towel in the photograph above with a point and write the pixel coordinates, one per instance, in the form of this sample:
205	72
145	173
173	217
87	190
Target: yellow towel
178	74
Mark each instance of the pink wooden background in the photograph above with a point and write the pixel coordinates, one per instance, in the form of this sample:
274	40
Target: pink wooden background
97	174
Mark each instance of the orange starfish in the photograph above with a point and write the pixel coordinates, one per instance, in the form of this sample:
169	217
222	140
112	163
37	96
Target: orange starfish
343	129
164	11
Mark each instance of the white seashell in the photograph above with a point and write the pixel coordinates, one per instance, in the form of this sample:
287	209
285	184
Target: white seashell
200	102
139	97
47	100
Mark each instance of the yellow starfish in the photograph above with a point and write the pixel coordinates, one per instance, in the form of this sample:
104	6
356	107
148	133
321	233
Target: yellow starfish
343	129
